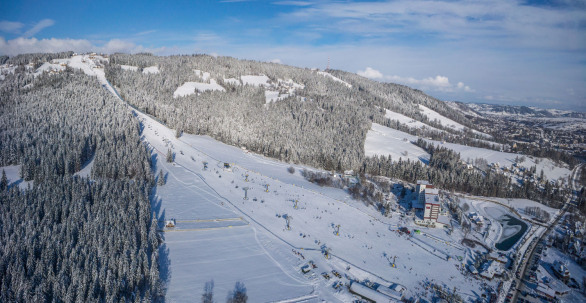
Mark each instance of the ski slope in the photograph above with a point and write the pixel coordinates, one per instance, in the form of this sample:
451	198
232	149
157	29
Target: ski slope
366	242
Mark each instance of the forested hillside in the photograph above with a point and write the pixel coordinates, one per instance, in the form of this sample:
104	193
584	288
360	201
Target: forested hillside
70	238
323	125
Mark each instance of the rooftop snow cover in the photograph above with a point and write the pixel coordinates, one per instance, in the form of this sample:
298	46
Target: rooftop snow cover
335	78
189	88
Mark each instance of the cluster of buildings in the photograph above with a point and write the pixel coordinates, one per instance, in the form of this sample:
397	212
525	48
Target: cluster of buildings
427	201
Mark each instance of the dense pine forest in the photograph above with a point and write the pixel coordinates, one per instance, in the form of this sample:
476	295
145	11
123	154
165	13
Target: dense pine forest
68	238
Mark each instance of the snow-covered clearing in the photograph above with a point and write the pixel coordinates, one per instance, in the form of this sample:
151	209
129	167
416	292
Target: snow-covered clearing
6	69
406	120
86	170
232	81
49	67
129	67
205	76
189	88
274	95
382	140
151	70
325	74
13	176
255	80
550	169
433	115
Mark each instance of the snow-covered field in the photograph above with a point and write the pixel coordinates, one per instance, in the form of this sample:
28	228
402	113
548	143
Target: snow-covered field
150	70
550	169
406	120
129	67
189	88
433	115
382	140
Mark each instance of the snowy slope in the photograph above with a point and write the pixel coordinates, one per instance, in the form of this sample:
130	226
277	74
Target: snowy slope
362	229
406	120
382	140
433	115
550	169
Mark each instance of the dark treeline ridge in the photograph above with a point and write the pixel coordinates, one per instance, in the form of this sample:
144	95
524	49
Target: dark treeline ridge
67	238
446	171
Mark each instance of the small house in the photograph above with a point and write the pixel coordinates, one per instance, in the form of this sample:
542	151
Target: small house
170	223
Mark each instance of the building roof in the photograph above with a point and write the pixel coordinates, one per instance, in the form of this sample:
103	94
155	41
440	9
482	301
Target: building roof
423	182
370	293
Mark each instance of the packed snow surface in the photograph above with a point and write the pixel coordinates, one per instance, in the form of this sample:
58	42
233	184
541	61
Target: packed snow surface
325	74
382	140
189	88
150	70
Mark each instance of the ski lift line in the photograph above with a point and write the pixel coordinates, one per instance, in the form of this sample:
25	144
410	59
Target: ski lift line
258	223
207	220
202	229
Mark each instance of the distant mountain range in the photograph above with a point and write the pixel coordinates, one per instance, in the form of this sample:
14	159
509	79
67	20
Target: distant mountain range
512	110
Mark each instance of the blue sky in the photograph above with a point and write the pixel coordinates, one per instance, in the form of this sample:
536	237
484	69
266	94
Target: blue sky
500	51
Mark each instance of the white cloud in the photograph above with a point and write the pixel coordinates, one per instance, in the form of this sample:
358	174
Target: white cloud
34	45
10	27
437	83
38	27
370	72
293	3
